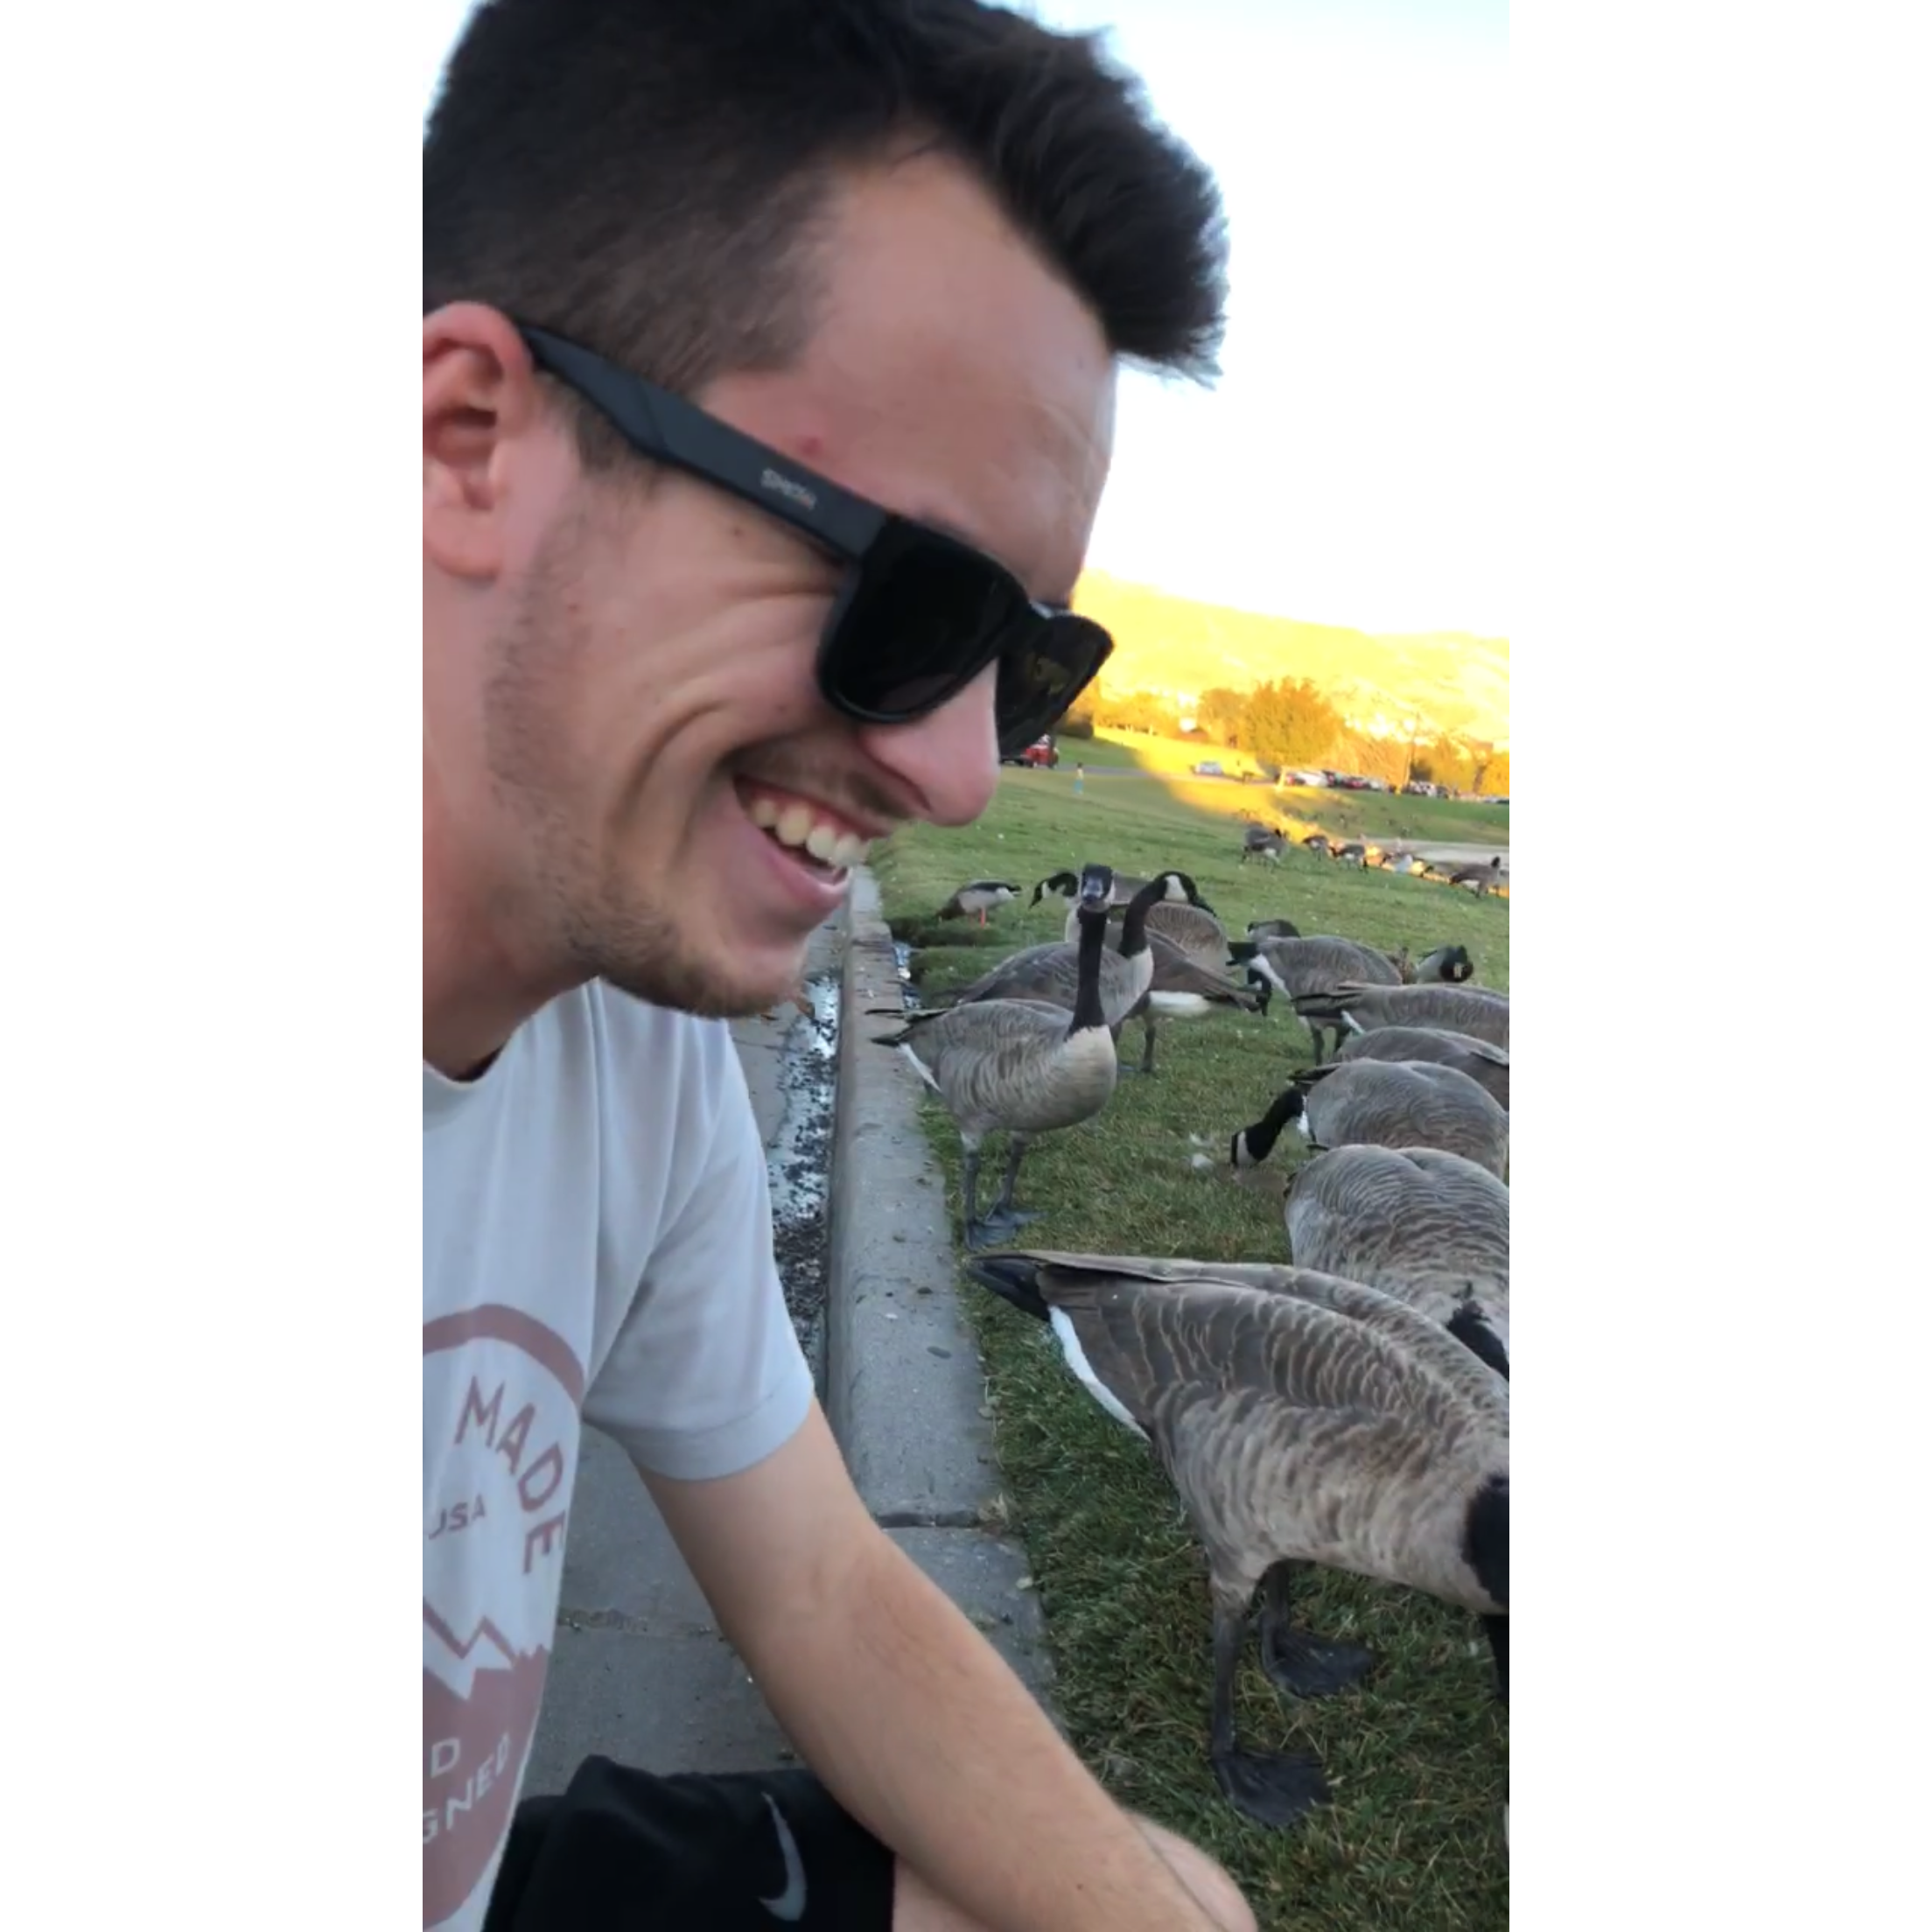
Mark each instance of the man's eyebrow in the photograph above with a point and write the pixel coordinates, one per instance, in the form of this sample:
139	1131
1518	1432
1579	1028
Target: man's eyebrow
937	520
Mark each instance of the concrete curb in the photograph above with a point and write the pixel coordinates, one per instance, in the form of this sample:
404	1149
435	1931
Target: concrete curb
904	1385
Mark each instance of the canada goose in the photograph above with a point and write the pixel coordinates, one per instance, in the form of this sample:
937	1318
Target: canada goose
1193	928
1301	965
1052	972
1065	886
1480	878
1314	1421
1388	1103
1363	1004
1026	1066
1273	928
1420	1223
1257	842
1487	1066
1182	988
980	896
1354	853
1446	966
1317	843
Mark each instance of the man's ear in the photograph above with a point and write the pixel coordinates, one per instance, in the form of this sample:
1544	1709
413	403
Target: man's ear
479	397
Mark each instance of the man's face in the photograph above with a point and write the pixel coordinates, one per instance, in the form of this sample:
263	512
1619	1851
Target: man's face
655	791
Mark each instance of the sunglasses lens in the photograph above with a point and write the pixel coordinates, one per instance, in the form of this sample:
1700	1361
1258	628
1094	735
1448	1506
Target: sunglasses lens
919	624
1042	672
924	616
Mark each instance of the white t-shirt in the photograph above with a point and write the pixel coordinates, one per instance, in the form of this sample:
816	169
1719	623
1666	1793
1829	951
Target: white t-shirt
596	1244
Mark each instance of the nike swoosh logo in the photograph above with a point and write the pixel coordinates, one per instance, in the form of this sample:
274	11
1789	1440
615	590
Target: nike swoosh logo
790	1903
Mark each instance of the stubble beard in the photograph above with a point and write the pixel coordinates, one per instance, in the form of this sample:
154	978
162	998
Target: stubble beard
611	924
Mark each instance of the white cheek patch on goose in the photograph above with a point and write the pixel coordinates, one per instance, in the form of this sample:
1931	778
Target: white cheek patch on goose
1076	1360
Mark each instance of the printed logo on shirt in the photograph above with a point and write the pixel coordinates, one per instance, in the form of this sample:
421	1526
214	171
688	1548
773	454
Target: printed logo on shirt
500	1399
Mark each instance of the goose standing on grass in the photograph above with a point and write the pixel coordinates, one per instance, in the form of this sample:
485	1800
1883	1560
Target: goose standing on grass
1052	972
1362	1004
1480	878
1487	1066
981	897
1065	887
1300	965
1384	1103
1184	921
1317	1422
1257	842
1023	1065
1353	853
1182	989
1420	1223
1272	928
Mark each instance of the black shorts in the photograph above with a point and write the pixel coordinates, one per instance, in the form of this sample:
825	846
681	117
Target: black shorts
747	1851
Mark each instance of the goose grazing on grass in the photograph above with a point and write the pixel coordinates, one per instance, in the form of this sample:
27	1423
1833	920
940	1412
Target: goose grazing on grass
1353	853
1023	1065
1315	1420
1257	842
981	897
1446	966
1480	878
1384	1103
1420	1223
1300	965
1272	928
1487	1066
1052	972
1361	1004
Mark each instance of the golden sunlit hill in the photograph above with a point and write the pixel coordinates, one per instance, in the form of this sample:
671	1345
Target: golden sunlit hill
1457	683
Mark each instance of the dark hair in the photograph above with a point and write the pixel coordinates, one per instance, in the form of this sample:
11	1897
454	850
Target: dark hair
649	175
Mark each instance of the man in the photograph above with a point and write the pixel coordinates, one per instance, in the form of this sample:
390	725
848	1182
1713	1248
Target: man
711	286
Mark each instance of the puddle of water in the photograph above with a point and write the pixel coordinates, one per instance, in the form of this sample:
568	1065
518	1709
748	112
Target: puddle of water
800	1165
907	991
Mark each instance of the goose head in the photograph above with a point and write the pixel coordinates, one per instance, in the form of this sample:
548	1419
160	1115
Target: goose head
1095	886
1251	1145
1450	965
1059	885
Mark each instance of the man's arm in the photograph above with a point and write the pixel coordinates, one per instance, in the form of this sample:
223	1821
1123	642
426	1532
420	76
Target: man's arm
912	1718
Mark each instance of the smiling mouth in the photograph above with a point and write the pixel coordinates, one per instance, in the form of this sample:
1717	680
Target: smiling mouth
807	836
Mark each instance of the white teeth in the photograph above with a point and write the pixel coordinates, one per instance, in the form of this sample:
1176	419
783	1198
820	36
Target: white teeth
795	825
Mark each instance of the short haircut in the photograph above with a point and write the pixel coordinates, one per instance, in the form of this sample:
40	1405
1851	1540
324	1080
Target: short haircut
649	177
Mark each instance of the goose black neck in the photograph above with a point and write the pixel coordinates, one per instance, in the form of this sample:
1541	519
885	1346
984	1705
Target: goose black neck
1133	932
1266	1131
1087	1011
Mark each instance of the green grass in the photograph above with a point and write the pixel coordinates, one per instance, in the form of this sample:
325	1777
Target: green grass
1418	1757
1380	815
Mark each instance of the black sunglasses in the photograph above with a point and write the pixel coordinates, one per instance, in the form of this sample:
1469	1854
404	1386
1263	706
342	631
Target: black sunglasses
920	614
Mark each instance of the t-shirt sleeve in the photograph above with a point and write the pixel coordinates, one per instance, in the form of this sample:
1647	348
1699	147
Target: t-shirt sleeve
705	1376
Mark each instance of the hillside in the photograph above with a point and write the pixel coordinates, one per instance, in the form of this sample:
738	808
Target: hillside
1458	684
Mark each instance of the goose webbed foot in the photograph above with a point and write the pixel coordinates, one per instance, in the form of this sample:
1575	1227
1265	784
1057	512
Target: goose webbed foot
1311	1666
1272	1790
1001	1224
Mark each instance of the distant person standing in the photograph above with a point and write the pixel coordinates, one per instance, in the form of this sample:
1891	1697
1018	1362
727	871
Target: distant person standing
1080	779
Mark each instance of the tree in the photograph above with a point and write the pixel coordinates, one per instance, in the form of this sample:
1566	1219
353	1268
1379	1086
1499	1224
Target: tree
1447	763
1220	715
1288	723
1492	780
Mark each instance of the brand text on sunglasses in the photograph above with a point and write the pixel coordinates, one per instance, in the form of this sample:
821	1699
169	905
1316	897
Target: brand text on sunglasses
785	486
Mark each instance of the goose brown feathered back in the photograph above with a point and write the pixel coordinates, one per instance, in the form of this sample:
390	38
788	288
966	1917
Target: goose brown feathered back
1420	1223
1193	929
1303	964
1385	1103
1360	1004
1486	1065
1316	1420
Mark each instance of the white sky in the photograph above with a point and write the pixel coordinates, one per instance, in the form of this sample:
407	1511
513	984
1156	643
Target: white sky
1348	467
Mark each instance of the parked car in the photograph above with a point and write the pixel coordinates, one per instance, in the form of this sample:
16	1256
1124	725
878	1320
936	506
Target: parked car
1208	768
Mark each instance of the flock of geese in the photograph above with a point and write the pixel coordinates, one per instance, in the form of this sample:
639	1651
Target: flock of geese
1264	842
1347	1407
